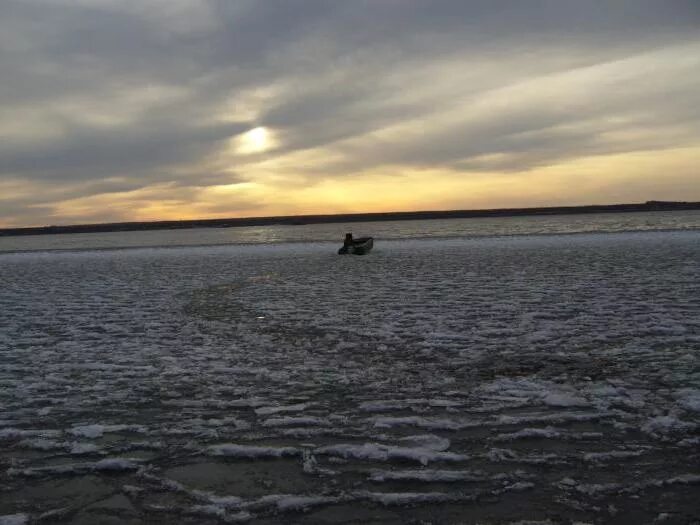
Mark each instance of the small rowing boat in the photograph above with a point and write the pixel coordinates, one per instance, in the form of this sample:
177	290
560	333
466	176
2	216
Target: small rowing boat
358	246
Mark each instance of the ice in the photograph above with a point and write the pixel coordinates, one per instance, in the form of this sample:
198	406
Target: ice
429	441
613	454
294	421
547	432
420	422
507	455
383	405
208	510
684	479
442	476
563	400
104	465
14	519
517	486
248	383
116	464
14	433
220	501
595	489
379	452
285	502
250	451
83	448
397	404
689	399
410	498
96	430
266	411
41	444
662	426
557	417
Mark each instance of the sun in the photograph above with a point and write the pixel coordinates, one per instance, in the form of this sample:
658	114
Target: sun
254	140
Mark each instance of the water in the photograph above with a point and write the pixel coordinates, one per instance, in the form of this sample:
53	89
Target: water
490	380
488	370
438	228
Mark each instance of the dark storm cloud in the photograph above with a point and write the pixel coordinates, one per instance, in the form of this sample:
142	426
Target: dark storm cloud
336	70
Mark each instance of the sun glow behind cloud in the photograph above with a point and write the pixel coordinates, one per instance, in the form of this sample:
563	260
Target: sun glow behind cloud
256	140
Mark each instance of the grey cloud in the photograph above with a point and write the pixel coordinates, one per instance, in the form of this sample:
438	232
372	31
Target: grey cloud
331	62
87	152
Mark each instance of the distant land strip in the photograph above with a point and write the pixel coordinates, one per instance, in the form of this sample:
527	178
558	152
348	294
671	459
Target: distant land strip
351	217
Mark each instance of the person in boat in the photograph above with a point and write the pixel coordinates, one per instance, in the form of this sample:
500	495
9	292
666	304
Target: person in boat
347	244
359	246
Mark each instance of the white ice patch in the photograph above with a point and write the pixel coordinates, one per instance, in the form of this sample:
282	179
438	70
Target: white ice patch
269	410
600	457
426	475
595	489
689	399
96	430
507	455
557	417
662	426
420	422
219	422
383	405
16	433
517	486
378	452
41	444
429	441
295	421
563	399
209	510
409	498
546	392
250	452
547	433
83	448
290	502
116	464
689	442
683	479
14	519
109	464
220	501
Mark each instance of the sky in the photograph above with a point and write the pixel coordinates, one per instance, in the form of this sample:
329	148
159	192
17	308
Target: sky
134	110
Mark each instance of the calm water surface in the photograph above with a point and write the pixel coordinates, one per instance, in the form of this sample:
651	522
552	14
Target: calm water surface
473	227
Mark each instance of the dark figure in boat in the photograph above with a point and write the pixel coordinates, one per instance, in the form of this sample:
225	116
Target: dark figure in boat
356	246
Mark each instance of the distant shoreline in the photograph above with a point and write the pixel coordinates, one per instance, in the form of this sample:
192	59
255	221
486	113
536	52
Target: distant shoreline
296	220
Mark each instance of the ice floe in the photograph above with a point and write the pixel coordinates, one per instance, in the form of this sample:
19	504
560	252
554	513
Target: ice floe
475	367
250	451
379	452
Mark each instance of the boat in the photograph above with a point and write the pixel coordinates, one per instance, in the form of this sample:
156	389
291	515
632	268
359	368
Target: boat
359	246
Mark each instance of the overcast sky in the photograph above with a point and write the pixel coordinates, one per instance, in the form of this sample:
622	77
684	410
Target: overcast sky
116	110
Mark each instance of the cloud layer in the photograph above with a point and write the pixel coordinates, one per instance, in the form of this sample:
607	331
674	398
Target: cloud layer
137	109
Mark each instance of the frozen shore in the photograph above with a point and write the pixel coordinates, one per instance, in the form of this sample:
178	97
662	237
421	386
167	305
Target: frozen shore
491	380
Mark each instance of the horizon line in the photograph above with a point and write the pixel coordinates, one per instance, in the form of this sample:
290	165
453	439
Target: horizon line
297	220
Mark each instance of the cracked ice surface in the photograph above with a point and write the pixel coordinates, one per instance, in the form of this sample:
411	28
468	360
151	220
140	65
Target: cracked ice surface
507	378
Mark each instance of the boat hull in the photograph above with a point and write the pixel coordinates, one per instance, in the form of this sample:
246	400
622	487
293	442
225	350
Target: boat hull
358	247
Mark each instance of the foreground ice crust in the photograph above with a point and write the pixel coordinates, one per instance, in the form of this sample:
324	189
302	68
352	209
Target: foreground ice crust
235	383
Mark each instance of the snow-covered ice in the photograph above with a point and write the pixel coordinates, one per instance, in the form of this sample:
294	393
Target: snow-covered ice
555	375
